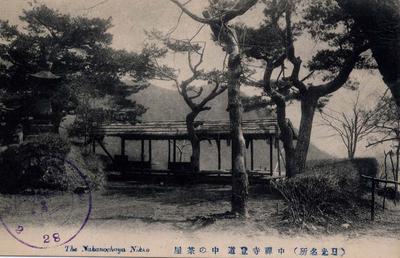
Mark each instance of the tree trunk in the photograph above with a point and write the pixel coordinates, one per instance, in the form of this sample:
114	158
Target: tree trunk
286	137
397	161
352	149
395	89
195	159
240	182
195	142
56	124
308	105
239	175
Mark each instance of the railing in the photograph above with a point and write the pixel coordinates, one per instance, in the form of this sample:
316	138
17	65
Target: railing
373	186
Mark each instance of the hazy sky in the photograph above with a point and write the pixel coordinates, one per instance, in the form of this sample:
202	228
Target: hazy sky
132	17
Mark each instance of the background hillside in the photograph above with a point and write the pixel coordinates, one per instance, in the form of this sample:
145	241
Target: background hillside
165	104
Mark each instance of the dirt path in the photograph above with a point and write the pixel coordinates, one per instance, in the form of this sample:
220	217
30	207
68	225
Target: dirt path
194	208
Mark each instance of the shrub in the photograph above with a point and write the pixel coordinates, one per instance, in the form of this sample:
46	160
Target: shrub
30	166
389	192
328	193
90	165
319	199
348	170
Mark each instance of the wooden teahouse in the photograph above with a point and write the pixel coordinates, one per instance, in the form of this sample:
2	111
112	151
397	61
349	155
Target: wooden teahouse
173	131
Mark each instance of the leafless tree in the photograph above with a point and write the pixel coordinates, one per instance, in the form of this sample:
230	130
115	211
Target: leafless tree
352	127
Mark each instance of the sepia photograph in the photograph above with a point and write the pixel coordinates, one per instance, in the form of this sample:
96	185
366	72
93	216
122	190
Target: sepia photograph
200	128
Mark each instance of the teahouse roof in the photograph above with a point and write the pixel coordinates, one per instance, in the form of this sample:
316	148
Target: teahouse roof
165	130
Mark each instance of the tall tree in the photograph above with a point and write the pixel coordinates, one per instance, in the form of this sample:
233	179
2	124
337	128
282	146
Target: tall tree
196	98
76	48
218	16
379	20
273	43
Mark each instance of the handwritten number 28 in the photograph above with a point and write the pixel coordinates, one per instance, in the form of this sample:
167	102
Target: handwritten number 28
56	238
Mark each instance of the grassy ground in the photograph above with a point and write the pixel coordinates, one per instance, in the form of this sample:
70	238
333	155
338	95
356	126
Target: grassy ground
183	209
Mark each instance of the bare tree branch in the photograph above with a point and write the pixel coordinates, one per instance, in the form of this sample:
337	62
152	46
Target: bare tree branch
351	127
240	8
190	14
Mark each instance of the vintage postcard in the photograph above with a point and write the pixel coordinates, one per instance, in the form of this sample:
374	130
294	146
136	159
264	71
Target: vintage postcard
195	128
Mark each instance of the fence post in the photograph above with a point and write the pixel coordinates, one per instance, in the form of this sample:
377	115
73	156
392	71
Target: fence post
373	201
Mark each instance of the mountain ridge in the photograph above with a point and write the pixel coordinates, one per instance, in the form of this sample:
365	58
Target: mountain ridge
166	104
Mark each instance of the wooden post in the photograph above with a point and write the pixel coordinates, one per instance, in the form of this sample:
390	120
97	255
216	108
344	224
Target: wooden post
373	200
373	186
150	154
94	146
219	153
385	187
271	159
169	151
252	154
122	146
142	151
105	150
174	151
232	156
247	144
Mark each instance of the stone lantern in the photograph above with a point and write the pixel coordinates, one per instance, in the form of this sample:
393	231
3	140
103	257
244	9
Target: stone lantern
44	85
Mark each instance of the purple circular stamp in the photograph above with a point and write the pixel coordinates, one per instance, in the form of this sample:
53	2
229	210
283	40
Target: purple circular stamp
50	218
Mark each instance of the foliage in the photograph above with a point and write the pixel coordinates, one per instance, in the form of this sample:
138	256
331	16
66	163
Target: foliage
257	102
348	169
271	46
196	98
217	17
328	193
323	21
326	21
89	118
76	48
379	21
31	165
316	199
90	165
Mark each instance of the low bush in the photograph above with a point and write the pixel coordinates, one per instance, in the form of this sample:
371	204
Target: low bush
39	164
328	193
91	167
348	170
389	192
31	165
316	199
